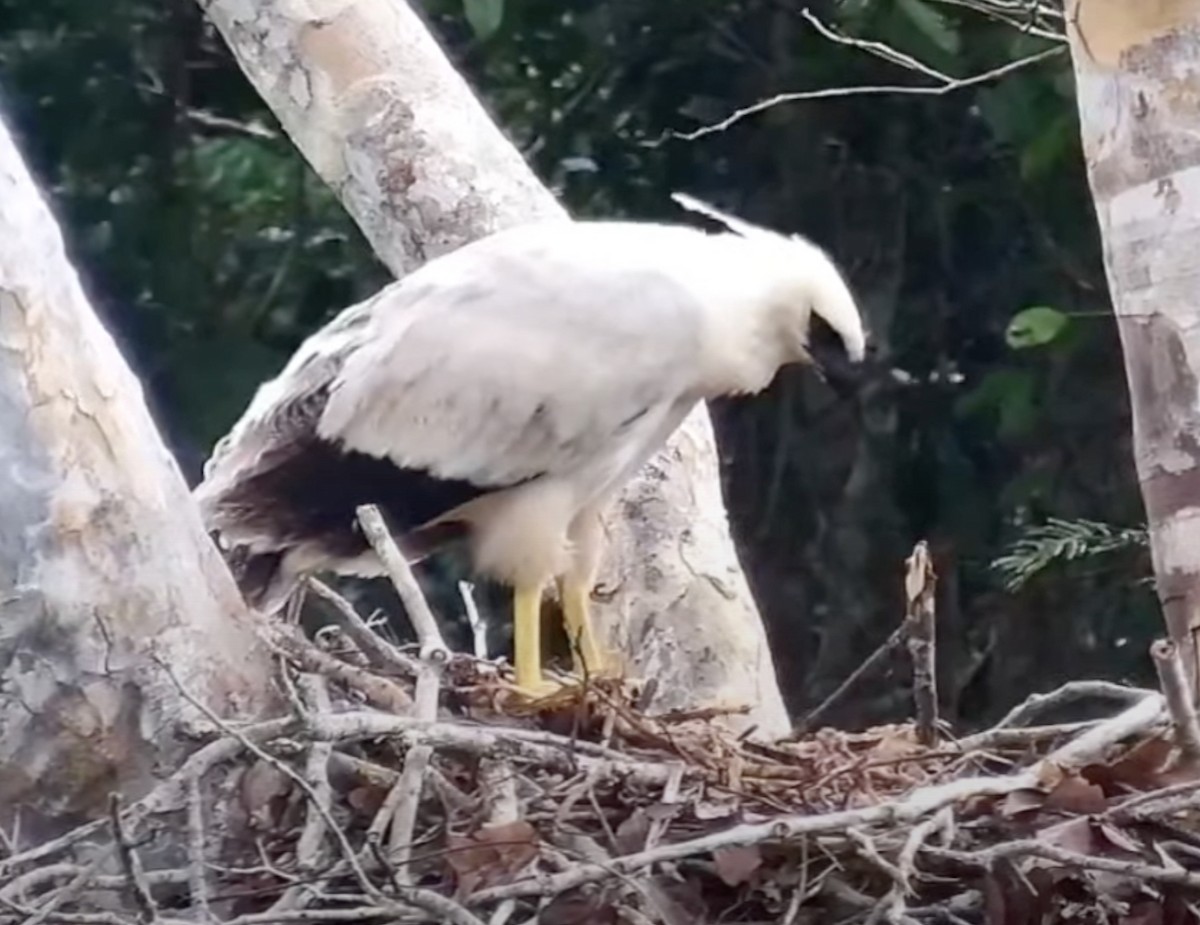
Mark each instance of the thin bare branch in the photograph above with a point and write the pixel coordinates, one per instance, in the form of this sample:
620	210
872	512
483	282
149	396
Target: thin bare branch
378	649
135	874
797	96
433	647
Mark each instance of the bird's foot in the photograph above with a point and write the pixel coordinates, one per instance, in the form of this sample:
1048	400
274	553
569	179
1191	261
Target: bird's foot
601	664
539	689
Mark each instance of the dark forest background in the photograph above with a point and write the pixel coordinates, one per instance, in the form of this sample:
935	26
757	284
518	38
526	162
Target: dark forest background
963	221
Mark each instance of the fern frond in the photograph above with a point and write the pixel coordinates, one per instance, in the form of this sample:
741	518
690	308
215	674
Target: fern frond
1060	541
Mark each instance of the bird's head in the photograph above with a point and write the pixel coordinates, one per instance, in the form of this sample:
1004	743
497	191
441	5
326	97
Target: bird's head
814	312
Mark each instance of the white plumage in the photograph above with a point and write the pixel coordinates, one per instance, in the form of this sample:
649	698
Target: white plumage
502	394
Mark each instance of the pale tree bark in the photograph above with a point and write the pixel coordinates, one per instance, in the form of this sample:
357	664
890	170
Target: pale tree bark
1137	69
105	569
374	105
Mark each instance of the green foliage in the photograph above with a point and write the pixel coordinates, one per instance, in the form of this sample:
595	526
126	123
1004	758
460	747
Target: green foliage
1011	395
1035	327
932	24
484	16
1057	542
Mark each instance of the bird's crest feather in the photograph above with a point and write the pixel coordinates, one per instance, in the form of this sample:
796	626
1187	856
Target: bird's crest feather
734	224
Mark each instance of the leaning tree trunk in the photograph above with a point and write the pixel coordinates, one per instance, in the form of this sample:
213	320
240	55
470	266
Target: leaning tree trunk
1137	67
381	114
106	572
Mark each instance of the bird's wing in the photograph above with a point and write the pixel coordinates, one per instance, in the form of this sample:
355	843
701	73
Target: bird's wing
513	362
285	409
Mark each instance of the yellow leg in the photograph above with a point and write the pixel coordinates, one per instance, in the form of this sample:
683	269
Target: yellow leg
527	642
589	658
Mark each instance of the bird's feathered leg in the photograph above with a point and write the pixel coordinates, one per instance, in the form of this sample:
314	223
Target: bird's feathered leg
527	641
589	658
575	592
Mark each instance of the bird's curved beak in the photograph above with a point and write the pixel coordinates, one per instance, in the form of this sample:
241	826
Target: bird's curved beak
845	376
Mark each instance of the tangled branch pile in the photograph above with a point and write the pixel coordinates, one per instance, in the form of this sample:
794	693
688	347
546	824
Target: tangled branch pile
589	811
414	788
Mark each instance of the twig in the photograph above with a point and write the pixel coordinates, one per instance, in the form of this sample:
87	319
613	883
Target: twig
780	99
1174	682
878	49
433	647
51	873
411	784
555	751
920	587
1031	847
498	784
49	911
134	872
378	649
1091	746
197	881
1001	12
380	691
910	808
670	795
1162	802
503	912
874	661
1022	737
475	619
1070	692
309	854
894	906
424	899
866	847
405	800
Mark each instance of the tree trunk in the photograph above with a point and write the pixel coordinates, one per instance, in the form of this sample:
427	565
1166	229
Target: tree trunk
1137	67
105	568
374	105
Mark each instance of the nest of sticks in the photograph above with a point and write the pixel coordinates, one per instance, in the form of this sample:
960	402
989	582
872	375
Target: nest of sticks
413	786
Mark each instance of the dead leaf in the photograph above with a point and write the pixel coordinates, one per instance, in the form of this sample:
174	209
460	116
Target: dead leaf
1078	835
1117	838
736	865
1007	897
1021	802
631	833
573	908
1143	913
1140	768
366	800
264	791
1073	794
493	855
1049	774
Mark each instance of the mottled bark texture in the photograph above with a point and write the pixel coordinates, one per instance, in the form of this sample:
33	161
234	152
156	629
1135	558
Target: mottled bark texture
105	568
1137	68
372	102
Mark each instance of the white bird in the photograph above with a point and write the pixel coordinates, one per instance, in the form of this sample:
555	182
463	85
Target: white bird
502	394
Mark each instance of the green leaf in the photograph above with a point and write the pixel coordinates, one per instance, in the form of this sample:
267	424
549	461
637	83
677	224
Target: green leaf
484	16
932	24
1047	149
1010	395
1035	327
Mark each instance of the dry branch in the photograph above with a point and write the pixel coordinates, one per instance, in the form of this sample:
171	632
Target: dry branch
920	589
542	806
433	647
1174	681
